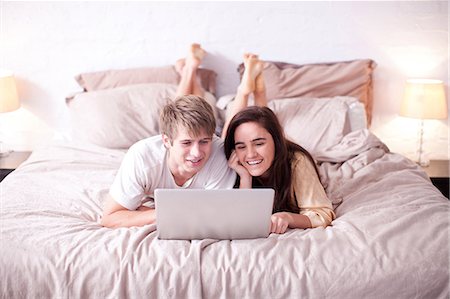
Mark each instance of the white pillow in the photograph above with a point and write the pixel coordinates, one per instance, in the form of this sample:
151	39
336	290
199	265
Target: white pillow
316	123
119	117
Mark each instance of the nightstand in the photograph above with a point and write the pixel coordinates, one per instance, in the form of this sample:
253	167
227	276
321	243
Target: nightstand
438	171
11	162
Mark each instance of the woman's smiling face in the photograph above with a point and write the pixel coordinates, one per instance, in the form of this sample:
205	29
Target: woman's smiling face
254	148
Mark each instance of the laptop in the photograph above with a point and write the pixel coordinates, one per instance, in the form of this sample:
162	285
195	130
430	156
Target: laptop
224	214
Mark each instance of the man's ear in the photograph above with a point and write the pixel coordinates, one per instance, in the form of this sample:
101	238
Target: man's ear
166	141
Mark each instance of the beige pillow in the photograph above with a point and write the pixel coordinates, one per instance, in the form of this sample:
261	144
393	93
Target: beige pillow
346	78
314	123
119	117
164	74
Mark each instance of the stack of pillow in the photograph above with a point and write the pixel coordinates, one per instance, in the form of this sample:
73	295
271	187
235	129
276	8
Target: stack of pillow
312	101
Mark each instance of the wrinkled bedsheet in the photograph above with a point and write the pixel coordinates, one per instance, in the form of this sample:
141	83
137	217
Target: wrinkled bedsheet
390	238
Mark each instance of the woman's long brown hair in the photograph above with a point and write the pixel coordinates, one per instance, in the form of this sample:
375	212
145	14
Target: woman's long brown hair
280	173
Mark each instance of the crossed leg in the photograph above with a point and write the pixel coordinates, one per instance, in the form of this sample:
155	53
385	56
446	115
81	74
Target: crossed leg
252	82
187	68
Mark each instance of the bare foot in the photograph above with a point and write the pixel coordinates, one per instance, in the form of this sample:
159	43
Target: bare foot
195	56
179	65
197	51
193	59
253	69
187	69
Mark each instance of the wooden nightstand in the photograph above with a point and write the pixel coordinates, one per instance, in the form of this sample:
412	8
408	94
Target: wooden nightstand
438	171
11	162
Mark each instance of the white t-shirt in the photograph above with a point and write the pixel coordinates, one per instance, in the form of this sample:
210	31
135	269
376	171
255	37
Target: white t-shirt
145	168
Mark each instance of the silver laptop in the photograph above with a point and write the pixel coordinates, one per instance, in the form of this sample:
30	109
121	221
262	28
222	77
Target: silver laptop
224	214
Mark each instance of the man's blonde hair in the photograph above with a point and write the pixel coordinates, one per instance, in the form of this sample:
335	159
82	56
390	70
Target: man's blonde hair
189	111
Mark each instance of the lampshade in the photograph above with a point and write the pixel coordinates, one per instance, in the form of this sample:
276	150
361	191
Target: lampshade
9	100
424	99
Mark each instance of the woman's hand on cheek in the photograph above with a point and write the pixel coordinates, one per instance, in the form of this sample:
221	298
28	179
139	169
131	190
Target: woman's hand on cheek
280	222
246	178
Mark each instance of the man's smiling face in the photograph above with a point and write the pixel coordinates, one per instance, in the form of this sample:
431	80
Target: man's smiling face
187	153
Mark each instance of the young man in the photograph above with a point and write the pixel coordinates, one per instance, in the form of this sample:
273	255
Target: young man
186	155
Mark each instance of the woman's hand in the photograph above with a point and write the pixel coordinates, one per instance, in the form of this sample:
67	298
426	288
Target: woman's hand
280	222
245	176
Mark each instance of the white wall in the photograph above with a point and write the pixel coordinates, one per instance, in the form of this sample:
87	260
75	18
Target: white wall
47	43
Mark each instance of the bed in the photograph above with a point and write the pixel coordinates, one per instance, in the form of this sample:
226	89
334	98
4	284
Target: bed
390	238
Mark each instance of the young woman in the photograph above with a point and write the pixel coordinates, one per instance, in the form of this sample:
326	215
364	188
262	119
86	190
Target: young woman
257	150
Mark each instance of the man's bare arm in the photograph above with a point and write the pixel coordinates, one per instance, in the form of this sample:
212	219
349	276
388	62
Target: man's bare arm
116	215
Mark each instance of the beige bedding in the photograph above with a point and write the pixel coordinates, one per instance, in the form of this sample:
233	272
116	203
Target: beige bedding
390	238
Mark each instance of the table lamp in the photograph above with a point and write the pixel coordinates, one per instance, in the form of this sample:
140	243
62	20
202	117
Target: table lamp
424	99
9	99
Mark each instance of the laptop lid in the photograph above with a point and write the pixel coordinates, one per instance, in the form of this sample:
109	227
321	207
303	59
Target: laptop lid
224	214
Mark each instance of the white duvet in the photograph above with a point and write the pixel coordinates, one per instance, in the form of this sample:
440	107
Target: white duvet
390	238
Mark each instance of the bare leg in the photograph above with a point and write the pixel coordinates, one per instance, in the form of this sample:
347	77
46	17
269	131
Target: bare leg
187	68
199	54
260	91
248	85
